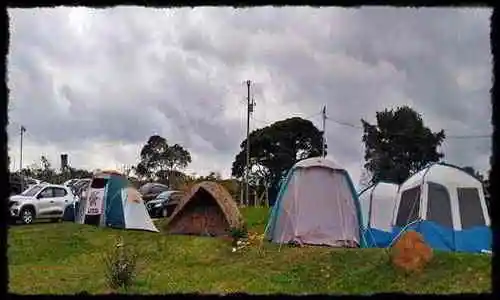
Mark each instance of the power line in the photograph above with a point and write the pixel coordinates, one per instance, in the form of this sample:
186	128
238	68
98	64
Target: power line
309	117
470	136
480	136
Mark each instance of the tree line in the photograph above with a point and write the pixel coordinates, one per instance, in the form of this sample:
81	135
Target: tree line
396	145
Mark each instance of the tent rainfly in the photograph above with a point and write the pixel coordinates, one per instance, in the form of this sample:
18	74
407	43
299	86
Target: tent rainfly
111	202
377	205
207	209
447	206
316	205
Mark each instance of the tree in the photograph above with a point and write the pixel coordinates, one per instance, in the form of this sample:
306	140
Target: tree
161	161
399	144
274	149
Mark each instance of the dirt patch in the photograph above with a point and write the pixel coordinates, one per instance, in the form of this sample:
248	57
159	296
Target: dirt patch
410	252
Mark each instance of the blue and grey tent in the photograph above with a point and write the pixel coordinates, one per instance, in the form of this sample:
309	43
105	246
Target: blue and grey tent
317	205
447	206
112	202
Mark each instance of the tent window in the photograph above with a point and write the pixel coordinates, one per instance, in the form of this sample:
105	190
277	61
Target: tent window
439	205
409	207
471	212
99	183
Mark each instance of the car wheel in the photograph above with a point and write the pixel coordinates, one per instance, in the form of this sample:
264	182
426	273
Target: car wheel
55	220
27	215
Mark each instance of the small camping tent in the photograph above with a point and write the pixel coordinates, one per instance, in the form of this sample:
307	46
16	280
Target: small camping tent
377	205
316	204
111	202
447	206
207	209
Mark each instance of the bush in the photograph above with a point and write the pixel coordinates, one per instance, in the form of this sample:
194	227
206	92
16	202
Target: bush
121	263
238	233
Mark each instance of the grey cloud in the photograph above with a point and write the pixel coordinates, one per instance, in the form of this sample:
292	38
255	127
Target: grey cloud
182	67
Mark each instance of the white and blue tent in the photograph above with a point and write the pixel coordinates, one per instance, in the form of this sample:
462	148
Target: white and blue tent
377	206
447	206
113	203
316	205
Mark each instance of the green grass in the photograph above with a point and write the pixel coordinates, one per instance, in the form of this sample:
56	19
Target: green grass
67	258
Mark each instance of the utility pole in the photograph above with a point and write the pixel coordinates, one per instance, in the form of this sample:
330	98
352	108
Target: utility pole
23	129
250	107
323	115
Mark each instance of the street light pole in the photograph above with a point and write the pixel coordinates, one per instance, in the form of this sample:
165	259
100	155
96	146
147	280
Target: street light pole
23	129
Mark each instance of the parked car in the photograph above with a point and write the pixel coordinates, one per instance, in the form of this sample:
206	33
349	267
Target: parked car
70	182
80	186
151	190
164	204
41	201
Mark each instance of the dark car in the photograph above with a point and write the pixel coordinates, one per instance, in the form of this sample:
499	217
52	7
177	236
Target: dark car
80	185
151	190
164	204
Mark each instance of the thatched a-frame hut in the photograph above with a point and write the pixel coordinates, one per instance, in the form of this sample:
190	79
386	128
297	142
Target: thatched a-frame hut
207	209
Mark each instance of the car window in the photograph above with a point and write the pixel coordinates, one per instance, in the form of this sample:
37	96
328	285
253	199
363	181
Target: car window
176	196
32	191
60	192
46	193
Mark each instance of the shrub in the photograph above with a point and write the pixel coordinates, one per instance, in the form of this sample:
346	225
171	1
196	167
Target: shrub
121	263
238	233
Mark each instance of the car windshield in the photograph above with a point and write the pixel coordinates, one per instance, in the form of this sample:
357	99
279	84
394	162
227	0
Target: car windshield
32	191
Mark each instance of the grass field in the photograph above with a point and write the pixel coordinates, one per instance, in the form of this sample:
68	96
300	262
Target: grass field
66	258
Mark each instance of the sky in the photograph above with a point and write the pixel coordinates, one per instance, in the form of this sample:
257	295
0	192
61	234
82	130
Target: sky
96	83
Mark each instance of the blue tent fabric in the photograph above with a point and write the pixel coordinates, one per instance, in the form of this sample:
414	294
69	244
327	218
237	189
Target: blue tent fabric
446	239
275	210
113	203
438	237
376	238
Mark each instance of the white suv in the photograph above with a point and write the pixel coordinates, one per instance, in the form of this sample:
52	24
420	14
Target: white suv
41	201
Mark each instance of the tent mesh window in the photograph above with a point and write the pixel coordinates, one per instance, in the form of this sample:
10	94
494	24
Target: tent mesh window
409	207
471	212
439	205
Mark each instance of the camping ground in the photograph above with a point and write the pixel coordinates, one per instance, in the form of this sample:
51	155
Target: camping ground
66	258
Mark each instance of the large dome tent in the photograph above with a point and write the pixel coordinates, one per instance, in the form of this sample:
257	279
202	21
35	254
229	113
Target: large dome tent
447	206
316	205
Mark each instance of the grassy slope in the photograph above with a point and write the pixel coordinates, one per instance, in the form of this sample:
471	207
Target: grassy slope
66	258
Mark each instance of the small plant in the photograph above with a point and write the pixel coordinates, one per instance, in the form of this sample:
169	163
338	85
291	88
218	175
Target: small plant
120	264
239	233
239	236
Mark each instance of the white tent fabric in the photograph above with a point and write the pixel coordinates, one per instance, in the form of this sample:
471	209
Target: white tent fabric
447	176
447	206
377	205
316	206
134	211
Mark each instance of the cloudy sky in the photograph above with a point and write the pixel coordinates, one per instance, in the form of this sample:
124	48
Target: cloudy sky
97	83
